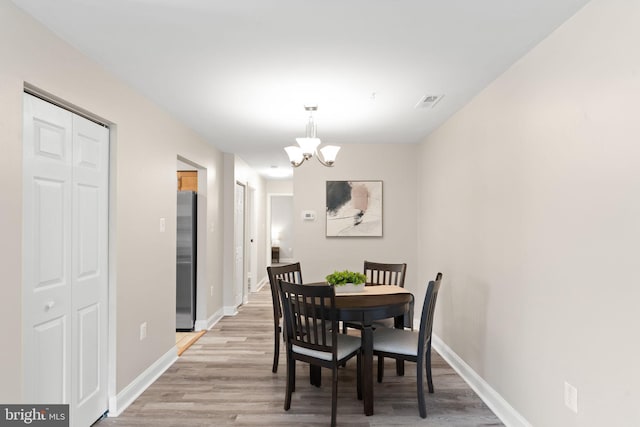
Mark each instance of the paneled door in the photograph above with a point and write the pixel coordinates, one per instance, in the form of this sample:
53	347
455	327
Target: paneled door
239	221
65	250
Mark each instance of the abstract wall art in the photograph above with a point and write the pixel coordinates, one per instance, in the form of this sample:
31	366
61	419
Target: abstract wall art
354	208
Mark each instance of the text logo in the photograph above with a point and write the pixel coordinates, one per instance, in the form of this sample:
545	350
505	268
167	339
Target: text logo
34	415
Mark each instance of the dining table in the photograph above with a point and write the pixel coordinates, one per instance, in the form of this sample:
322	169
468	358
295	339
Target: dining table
372	303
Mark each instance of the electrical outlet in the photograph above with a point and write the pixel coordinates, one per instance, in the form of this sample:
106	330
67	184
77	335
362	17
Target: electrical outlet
143	330
571	397
163	225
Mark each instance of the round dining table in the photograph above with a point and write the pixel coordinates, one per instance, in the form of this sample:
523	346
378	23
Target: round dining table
374	302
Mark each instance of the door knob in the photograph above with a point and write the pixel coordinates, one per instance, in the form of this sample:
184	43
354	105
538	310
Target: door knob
48	306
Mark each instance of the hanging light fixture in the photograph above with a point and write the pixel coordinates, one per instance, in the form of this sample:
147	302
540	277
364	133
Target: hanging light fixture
308	146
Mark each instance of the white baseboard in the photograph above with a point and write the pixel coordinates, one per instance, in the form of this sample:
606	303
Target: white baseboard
229	311
262	282
205	325
122	400
507	414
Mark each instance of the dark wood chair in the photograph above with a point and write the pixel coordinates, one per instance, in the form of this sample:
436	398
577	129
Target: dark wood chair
381	274
290	273
313	308
385	274
411	346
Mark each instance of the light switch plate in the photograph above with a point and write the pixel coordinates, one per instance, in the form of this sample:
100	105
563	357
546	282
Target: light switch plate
571	397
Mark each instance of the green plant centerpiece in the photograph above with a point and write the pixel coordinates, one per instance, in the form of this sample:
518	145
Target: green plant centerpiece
342	278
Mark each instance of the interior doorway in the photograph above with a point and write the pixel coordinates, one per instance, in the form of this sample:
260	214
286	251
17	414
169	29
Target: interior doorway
190	176
282	248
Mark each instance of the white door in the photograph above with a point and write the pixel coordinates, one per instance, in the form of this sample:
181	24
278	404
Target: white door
65	245
250	261
239	244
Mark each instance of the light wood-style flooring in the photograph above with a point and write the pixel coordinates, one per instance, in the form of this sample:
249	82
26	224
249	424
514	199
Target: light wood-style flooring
184	340
225	379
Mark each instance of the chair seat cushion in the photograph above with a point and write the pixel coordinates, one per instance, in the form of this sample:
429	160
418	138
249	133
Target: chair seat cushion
347	344
395	341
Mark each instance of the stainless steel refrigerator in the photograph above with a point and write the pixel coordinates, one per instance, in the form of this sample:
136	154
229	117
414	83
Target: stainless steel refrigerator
186	261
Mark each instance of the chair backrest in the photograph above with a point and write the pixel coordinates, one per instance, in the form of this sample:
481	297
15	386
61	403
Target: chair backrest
309	313
428	308
385	274
289	273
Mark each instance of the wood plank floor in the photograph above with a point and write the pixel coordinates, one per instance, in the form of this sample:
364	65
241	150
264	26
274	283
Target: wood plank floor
225	379
184	340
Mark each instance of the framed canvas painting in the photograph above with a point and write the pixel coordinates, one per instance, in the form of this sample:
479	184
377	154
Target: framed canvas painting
354	208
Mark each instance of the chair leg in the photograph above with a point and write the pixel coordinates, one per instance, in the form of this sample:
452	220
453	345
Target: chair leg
428	367
422	407
334	396
344	331
291	382
315	375
380	368
359	375
276	348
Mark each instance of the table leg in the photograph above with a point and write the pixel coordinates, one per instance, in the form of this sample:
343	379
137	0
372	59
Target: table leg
367	369
399	322
315	375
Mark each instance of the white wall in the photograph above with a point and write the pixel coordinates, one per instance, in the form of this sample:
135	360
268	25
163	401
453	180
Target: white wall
395	165
279	186
146	144
529	205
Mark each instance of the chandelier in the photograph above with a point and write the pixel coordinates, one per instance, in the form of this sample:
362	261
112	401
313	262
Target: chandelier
308	146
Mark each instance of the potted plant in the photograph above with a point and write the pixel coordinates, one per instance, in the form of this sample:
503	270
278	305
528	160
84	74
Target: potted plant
347	281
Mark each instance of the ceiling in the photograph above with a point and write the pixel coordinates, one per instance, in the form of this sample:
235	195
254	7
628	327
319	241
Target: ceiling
239	72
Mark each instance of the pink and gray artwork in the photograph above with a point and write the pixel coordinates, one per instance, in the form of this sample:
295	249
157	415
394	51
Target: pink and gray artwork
354	208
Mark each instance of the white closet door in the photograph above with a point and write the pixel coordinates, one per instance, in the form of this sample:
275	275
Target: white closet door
89	293
65	260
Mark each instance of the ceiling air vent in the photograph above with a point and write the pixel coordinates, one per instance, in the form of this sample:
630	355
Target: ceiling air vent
429	101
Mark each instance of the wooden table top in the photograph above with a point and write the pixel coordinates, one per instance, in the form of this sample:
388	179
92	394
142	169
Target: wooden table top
385	300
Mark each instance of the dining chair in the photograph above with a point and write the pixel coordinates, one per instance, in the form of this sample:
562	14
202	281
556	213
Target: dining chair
292	274
381	274
313	308
385	274
411	346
